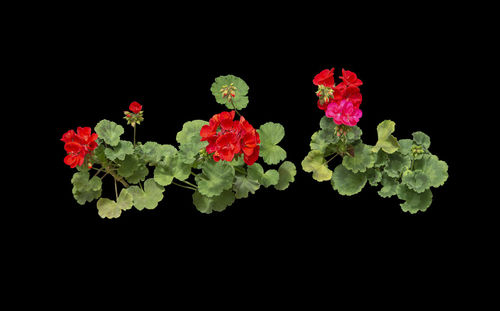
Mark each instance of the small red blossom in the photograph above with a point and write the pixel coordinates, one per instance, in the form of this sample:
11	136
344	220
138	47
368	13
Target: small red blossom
228	138
350	78
135	107
324	78
78	144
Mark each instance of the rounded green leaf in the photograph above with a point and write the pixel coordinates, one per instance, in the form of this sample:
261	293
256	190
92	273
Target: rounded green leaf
389	186
397	164
414	202
153	153
85	189
327	124
416	180
315	162
172	167
386	141
119	151
405	146
110	209
149	197
189	140
218	203
435	169
270	135
420	138
287	172
240	88
109	131
215	178
347	182
374	176
324	141
243	185
363	159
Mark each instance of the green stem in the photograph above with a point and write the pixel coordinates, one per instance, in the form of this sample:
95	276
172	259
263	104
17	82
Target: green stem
192	185
135	125
116	191
183	186
235	107
332	158
118	178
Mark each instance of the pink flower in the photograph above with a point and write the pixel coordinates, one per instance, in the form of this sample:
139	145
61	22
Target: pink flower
343	112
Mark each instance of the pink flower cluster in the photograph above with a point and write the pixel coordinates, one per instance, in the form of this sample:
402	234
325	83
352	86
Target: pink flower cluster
340	102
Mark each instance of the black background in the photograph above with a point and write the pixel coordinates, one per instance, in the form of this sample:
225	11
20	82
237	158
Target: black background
413	71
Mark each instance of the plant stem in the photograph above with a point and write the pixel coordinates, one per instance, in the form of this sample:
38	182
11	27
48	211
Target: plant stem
235	107
118	178
336	154
192	185
183	186
135	125
116	191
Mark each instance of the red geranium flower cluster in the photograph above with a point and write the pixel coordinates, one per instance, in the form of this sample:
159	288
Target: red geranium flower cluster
78	145
340	102
228	138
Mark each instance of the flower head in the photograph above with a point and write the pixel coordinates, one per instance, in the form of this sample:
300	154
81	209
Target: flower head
78	144
135	107
228	138
344	112
325	78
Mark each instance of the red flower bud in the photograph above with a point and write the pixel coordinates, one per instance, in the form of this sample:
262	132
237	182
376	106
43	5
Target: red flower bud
135	107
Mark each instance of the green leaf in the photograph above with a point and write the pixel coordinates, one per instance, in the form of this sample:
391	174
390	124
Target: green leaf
287	172
363	159
405	146
354	134
324	141
374	176
189	140
386	141
389	186
244	185
422	139
240	100
215	178
109	131
382	159
327	124
218	203
416	180
270	178
172	167
85	189
119	151
153	153
270	135
128	166
397	164
149	197
110	209
315	162
414	202
100	155
435	169
347	182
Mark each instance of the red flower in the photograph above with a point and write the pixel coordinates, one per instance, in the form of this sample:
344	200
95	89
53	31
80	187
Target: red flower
325	78
135	107
78	145
350	78
228	138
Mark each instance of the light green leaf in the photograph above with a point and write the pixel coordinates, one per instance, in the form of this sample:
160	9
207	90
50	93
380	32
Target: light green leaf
85	189
389	186
244	185
420	138
139	173
109	131
386	141
414	202
363	159
110	209
435	169
346	182
405	146
287	172
240	100
150	197
397	164
215	178
153	153
270	178
374	176
354	134
128	166
218	203
327	124
172	167
416	180
315	162
270	135
324	141
119	151
189	140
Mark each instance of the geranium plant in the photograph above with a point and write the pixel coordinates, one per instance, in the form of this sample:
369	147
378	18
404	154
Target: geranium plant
404	168
217	160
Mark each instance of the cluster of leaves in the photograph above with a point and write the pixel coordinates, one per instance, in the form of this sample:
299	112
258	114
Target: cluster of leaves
144	170
405	168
